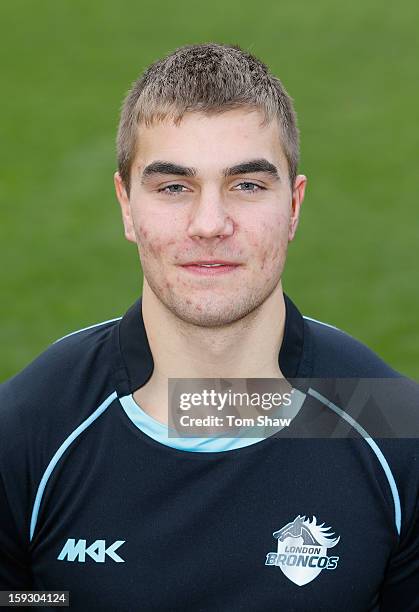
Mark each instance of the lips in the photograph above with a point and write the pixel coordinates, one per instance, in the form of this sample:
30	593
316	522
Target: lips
210	267
213	262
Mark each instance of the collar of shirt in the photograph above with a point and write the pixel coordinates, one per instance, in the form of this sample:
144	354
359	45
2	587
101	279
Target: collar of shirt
133	361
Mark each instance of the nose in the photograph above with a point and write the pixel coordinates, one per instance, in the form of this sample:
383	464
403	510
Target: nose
209	218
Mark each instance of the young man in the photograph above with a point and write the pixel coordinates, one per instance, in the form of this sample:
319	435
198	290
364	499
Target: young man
96	498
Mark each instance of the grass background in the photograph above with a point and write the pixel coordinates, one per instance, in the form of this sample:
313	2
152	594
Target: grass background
352	69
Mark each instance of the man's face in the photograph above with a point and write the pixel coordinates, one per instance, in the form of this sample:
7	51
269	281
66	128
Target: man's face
213	188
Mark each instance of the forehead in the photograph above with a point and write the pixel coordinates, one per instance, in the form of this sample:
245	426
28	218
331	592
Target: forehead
211	141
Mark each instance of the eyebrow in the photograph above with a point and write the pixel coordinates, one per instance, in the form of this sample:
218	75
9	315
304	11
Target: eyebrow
162	167
247	167
254	165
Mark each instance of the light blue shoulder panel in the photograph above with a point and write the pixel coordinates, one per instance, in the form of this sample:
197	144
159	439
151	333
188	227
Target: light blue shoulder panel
374	447
59	453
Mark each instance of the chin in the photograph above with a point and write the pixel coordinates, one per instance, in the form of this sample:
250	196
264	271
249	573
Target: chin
207	309
204	313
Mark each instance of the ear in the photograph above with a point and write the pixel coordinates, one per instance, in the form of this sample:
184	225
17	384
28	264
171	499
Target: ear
123	199
297	200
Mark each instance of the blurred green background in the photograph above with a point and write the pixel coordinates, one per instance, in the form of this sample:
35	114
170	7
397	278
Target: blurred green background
352	69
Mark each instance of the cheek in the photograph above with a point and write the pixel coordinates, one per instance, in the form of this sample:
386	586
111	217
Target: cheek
270	244
156	235
151	243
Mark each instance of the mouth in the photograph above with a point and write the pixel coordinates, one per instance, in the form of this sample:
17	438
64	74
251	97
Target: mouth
210	268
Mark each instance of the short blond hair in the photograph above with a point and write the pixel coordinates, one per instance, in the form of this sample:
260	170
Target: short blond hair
210	78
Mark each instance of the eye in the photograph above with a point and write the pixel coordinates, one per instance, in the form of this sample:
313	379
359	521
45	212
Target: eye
249	187
172	189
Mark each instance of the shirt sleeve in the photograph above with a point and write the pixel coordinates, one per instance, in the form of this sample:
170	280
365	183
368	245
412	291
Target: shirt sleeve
401	585
14	564
400	589
36	414
15	494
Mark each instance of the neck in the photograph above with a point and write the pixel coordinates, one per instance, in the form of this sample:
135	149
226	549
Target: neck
247	348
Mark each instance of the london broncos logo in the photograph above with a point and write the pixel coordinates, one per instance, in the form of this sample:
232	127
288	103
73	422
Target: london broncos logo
302	550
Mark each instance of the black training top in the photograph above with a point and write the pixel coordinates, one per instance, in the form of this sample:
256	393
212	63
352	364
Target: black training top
94	501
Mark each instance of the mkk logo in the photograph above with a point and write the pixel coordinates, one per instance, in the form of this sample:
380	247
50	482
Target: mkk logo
77	551
302	550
